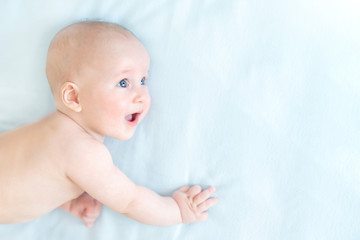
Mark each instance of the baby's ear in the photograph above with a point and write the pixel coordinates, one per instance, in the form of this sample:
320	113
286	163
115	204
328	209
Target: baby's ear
70	96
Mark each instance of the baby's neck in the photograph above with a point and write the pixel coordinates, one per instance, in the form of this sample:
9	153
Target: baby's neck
65	118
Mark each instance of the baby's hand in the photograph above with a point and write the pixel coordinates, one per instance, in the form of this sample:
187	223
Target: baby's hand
193	203
84	207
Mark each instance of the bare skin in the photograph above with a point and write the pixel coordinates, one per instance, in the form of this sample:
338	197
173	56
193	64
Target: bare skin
97	72
84	207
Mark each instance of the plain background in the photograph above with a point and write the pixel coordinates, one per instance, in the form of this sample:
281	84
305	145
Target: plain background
258	98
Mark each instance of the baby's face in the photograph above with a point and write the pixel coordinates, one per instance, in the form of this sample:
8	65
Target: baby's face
112	89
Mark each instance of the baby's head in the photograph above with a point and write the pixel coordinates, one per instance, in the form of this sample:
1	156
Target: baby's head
97	73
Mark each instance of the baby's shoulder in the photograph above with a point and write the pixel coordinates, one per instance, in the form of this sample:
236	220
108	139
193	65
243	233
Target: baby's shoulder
86	155
88	148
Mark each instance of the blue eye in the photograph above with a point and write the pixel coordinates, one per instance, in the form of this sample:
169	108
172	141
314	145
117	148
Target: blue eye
143	81
122	83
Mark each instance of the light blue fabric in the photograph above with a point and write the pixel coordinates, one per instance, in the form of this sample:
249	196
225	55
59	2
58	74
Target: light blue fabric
258	98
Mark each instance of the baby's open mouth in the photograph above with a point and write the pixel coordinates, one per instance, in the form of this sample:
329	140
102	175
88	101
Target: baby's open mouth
132	117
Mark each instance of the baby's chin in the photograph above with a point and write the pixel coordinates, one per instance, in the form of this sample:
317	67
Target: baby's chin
122	136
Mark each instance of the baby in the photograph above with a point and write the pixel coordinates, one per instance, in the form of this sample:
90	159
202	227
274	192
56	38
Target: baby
97	73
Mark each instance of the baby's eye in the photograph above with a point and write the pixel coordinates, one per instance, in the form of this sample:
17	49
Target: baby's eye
123	83
143	81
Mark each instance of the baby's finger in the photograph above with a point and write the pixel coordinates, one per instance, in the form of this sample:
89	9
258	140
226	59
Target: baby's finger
203	217
89	222
194	191
184	189
201	197
207	204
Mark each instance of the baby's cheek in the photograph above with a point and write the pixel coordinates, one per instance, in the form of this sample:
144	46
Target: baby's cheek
115	109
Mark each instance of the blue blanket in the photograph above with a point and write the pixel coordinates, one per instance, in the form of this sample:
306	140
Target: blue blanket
259	98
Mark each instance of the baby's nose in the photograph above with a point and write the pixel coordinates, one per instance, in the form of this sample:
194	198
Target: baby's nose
140	96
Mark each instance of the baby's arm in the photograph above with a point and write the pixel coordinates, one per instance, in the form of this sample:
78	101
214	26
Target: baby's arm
185	206
96	174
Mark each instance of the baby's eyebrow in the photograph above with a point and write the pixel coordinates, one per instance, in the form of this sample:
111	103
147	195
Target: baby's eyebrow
121	72
124	70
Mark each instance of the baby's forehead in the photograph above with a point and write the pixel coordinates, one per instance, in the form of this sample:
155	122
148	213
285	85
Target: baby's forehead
114	44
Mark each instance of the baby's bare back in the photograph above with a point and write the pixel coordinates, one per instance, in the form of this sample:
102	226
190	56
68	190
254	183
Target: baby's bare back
33	179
